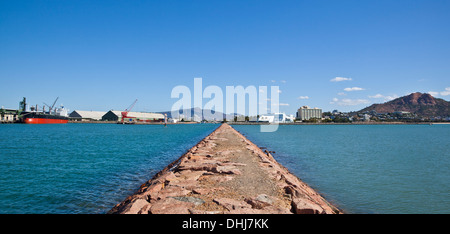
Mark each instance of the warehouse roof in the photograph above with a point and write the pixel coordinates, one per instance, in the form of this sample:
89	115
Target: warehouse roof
140	114
97	115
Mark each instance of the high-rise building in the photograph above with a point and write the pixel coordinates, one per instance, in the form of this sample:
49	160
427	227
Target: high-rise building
306	113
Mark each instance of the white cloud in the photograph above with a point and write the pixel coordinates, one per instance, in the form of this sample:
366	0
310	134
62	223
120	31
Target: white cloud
446	92
273	81
283	81
377	96
342	94
349	102
434	94
353	89
389	98
339	79
386	98
303	97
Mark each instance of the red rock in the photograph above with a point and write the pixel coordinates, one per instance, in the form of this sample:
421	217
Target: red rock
228	170
194	211
304	206
204	165
231	204
276	210
245	211
172	191
171	206
203	191
136	206
260	201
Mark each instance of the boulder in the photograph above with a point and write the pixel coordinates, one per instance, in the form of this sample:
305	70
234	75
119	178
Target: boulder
231	204
304	206
171	206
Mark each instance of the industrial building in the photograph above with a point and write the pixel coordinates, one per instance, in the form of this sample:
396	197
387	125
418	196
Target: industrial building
276	118
8	115
79	115
113	115
306	113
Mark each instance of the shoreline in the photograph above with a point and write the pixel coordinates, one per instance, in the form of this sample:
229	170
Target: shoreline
260	123
225	173
352	123
115	122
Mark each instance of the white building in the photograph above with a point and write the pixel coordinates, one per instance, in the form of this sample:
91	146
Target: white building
80	115
276	118
306	113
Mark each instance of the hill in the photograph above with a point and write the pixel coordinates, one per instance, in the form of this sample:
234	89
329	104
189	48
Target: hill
421	104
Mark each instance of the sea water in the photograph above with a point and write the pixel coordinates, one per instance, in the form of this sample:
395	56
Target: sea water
89	168
84	168
367	168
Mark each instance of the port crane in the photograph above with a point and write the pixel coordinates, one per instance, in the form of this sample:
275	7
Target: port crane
51	107
125	113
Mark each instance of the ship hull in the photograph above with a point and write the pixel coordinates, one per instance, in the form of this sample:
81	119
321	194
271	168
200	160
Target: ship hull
45	121
41	118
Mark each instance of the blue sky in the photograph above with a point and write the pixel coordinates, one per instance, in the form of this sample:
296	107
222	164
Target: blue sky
102	55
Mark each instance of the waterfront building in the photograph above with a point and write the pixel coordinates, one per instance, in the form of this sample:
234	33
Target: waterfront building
276	118
113	115
8	115
79	115
306	113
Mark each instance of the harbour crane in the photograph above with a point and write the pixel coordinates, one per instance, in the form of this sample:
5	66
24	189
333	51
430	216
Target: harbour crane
125	113
51	107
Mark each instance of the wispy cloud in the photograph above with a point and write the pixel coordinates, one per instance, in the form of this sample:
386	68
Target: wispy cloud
353	89
376	96
339	79
349	102
446	92
386	98
434	94
342	94
303	97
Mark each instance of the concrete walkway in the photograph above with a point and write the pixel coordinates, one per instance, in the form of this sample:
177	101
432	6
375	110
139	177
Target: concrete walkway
225	173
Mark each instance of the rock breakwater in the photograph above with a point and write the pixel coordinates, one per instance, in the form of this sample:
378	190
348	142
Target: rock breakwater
225	173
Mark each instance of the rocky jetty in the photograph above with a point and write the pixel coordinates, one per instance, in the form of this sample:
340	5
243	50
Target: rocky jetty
225	173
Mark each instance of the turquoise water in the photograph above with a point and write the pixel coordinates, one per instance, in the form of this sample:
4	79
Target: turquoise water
88	168
367	168
84	168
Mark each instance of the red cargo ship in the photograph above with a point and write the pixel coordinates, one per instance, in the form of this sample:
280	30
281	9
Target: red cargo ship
41	118
53	116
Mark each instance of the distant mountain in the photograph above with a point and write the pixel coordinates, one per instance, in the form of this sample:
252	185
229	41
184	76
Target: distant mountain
421	104
195	110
